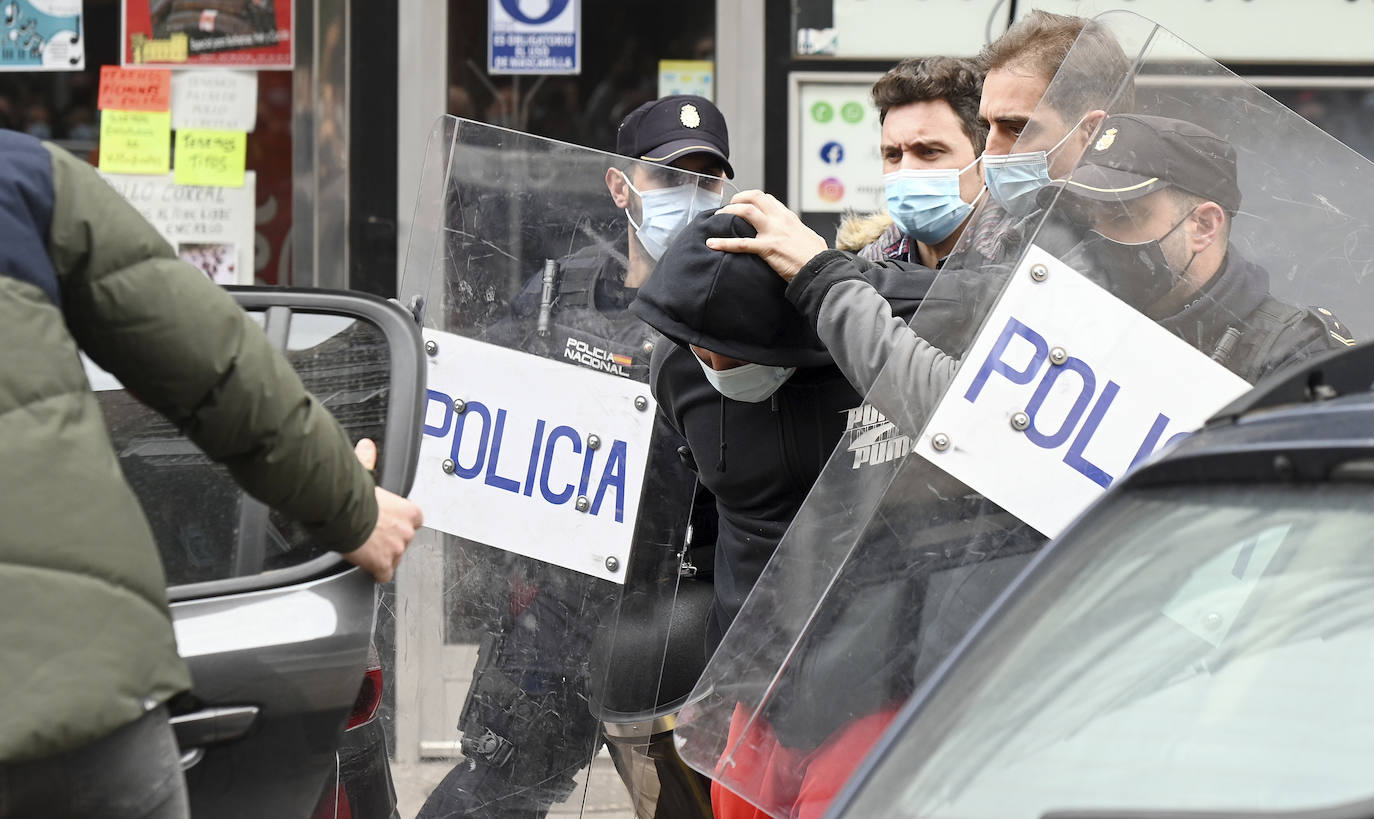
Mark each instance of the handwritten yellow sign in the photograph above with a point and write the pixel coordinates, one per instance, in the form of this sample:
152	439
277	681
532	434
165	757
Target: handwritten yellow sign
210	158
135	141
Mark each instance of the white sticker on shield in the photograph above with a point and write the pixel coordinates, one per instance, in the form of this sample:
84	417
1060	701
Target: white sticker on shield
1064	390
533	456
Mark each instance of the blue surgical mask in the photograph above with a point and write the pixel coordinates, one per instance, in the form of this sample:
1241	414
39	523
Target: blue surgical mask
1014	179
664	212
926	204
750	383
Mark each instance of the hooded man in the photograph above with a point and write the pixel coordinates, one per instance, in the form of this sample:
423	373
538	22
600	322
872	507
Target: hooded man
742	376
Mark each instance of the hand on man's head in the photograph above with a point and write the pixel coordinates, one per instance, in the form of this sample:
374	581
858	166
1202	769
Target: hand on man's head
783	240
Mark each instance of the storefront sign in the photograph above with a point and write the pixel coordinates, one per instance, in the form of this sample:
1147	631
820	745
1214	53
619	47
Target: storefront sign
219	100
245	34
42	35
135	141
544	42
1324	31
836	161
212	228
134	89
210	158
687	77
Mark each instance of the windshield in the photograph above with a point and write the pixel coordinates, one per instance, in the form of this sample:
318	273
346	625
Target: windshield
1193	648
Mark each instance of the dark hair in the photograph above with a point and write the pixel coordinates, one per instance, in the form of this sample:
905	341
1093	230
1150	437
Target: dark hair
957	82
1042	43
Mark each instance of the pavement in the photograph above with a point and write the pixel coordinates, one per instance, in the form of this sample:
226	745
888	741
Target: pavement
604	796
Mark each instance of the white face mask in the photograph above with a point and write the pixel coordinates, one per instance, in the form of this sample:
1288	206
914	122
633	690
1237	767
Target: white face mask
750	383
664	212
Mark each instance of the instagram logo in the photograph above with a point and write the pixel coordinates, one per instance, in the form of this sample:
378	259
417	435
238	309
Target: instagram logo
831	189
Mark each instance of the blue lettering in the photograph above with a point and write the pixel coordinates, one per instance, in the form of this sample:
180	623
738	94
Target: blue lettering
557	498
445	402
531	470
1147	447
613	476
497	436
1071	420
473	408
586	471
1075	458
995	364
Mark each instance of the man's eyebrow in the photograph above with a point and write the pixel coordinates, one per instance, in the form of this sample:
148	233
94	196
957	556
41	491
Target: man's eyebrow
916	143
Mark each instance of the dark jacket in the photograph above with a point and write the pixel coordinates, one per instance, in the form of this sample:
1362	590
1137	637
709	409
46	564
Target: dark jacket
758	459
84	626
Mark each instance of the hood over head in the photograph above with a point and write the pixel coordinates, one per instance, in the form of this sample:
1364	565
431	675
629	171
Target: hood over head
729	303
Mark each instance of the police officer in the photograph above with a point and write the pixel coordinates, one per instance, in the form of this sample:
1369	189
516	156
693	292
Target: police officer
527	729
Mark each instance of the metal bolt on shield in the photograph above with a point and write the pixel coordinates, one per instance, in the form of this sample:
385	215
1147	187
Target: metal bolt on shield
593	442
460	406
431	348
939	441
1058	355
448	466
612	565
1020	421
582	504
641	403
1039	272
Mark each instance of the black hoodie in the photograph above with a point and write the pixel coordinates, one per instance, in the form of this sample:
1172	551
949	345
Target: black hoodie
758	459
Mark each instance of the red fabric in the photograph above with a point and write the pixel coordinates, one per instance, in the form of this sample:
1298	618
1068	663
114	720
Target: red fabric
792	784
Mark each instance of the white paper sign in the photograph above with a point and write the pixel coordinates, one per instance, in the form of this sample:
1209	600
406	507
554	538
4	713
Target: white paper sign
217	100
521	474
212	228
1122	388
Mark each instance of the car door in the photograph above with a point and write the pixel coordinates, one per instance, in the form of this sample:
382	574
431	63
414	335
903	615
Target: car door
274	627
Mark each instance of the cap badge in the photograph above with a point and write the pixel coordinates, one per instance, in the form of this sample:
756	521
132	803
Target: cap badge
1106	140
689	115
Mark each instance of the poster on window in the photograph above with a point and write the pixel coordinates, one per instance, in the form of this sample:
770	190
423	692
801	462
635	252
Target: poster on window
237	33
209	227
42	35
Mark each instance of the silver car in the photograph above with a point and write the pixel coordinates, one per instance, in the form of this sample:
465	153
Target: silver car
276	629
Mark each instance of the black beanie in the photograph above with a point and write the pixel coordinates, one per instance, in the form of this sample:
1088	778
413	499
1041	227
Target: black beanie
732	304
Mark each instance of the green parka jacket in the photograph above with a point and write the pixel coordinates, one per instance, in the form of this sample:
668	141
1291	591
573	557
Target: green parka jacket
85	633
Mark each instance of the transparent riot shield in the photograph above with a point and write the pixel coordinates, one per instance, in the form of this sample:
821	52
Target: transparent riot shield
538	602
1066	348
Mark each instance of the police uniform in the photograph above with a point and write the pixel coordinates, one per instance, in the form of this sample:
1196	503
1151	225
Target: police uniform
528	725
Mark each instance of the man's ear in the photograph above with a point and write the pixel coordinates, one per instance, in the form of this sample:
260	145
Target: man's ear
1091	121
1208	220
619	187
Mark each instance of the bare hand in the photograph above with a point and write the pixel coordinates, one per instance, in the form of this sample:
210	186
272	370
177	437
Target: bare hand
397	520
784	242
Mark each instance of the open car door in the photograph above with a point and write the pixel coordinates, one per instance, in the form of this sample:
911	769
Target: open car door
275	628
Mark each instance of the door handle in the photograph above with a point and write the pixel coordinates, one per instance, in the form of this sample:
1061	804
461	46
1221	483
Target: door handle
208	726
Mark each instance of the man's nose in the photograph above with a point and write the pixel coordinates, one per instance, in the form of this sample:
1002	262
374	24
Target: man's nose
999	144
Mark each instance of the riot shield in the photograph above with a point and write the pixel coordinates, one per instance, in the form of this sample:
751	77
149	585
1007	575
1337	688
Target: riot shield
1069	343
538	602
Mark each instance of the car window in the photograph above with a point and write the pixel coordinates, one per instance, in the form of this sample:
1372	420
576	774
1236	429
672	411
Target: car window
206	528
345	363
1191	649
